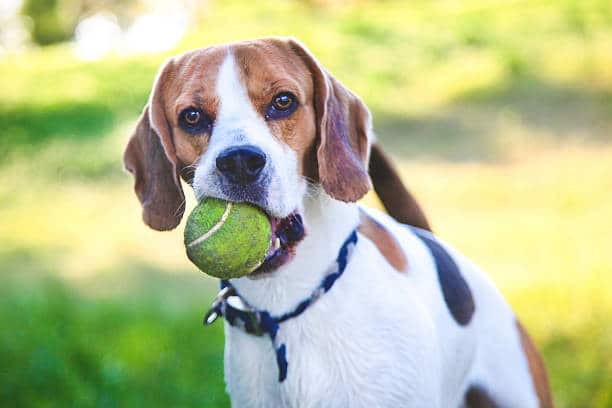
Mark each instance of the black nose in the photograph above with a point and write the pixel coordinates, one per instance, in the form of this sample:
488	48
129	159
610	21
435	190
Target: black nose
241	164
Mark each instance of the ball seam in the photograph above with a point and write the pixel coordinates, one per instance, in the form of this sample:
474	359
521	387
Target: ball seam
215	227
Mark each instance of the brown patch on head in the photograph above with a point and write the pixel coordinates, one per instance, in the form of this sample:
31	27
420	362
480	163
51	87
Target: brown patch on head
268	67
193	85
536	368
328	131
159	151
384	241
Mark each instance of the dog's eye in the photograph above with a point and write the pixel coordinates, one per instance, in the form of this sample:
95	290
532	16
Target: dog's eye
194	120
283	105
283	101
192	117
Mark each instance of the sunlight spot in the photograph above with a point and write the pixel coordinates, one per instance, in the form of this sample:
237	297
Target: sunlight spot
100	34
14	35
96	36
156	32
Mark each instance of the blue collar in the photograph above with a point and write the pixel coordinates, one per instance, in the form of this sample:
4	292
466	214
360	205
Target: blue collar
238	313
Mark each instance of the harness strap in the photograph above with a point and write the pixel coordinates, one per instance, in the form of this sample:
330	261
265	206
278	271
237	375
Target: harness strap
238	313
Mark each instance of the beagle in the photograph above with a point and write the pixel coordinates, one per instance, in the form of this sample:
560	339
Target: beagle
354	308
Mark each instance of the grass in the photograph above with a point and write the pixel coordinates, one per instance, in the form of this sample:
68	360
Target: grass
498	113
66	350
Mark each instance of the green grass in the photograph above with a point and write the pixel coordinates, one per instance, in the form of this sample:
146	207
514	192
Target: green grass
499	114
60	349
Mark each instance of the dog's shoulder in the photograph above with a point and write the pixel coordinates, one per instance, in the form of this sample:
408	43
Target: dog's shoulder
409	248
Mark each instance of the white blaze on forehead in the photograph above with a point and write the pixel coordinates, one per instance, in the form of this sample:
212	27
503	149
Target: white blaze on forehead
234	103
238	123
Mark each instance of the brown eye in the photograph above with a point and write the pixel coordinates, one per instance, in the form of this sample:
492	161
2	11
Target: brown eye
192	117
283	101
283	105
195	121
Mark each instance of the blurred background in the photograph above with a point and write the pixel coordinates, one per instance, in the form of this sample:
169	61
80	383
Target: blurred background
498	112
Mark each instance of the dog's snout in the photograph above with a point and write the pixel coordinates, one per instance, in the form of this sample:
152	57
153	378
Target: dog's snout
241	164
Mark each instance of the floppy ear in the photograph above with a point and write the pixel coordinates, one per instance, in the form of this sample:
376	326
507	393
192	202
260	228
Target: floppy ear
150	157
343	129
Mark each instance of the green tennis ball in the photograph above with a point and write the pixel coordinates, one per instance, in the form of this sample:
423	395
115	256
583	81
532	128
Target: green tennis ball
227	240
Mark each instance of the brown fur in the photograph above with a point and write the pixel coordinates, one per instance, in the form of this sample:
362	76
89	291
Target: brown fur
268	68
397	200
536	368
159	152
151	157
385	242
328	131
156	183
343	123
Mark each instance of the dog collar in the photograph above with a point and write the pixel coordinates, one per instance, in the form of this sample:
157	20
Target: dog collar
238	313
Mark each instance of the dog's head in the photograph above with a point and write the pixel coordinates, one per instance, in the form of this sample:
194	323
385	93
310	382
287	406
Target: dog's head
257	121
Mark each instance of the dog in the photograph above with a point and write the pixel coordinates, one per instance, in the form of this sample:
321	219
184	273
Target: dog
359	309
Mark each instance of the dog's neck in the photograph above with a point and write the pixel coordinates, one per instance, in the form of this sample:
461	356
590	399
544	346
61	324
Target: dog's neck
328	223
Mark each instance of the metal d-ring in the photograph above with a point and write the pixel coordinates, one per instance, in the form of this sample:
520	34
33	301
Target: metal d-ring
215	308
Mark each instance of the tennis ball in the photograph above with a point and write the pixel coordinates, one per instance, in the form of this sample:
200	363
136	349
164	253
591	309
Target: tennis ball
225	239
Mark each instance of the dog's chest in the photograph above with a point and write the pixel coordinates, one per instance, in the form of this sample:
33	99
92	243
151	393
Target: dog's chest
357	346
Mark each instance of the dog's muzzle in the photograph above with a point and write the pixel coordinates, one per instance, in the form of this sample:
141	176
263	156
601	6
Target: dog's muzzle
243	175
241	165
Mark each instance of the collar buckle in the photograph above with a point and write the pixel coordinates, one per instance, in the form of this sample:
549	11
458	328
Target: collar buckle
215	309
236	312
240	314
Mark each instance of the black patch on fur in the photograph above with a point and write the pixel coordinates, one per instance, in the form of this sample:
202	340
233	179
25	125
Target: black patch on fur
456	292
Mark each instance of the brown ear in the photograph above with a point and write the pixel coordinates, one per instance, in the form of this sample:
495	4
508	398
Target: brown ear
151	158
343	127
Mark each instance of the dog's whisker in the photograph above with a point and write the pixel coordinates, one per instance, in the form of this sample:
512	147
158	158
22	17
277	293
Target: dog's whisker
180	208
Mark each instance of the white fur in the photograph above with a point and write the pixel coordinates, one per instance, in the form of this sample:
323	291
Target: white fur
378	338
238	123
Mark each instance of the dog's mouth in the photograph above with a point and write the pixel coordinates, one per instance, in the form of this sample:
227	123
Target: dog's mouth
286	235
